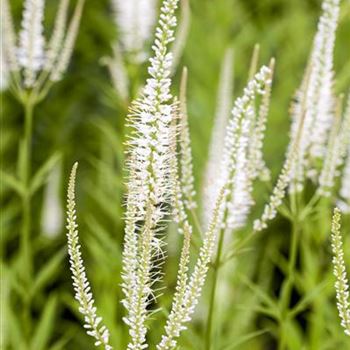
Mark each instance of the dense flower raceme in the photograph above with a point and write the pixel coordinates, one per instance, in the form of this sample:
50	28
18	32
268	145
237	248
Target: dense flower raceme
34	55
242	156
315	98
135	20
342	283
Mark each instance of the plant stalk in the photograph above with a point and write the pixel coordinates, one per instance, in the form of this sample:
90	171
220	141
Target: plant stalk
216	267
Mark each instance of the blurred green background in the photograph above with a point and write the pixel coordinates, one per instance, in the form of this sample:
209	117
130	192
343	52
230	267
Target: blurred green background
83	120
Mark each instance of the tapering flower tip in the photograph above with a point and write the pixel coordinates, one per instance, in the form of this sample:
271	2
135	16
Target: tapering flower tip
339	270
344	201
236	169
320	102
135	20
68	45
186	160
83	294
211	184
31	50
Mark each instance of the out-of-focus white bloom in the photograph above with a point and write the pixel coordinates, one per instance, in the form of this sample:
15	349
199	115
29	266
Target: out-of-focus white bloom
238	169
315	98
4	72
31	62
52	216
339	140
344	201
222	115
83	294
320	97
31	50
135	20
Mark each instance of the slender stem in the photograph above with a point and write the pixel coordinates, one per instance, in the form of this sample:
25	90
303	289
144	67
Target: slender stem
288	284
216	267
26	197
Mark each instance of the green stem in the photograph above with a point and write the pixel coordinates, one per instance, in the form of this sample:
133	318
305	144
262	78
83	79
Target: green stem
216	267
26	197
288	284
25	242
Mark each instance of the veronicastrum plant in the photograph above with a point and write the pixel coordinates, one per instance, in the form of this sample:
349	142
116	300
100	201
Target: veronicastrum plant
31	65
160	186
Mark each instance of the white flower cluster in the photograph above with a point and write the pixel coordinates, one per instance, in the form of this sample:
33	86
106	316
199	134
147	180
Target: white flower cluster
3	72
135	20
315	98
31	56
336	151
83	294
241	165
344	201
342	283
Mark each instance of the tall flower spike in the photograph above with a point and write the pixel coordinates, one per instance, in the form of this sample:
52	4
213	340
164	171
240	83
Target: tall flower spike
81	284
149	187
31	54
235	164
342	283
186	161
211	185
336	152
135	20
315	98
320	98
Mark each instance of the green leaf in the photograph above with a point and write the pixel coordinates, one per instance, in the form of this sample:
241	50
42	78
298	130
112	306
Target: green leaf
244	339
41	175
44	329
48	271
12	182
